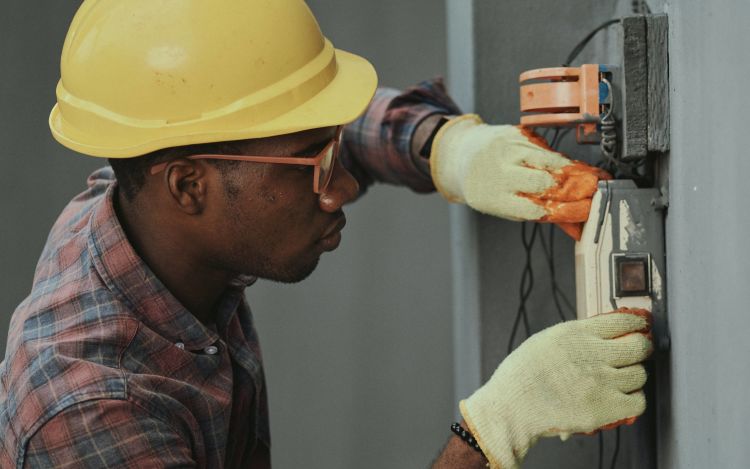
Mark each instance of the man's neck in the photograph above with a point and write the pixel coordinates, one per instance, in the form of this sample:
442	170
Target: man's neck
170	256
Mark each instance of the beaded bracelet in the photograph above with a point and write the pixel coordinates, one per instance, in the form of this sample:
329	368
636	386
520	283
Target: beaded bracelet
464	434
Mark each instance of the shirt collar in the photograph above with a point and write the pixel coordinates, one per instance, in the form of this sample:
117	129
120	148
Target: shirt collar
128	276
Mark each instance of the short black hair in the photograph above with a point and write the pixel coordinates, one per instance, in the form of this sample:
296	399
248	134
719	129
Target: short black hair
131	172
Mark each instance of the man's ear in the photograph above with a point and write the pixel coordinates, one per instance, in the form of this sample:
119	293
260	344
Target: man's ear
187	183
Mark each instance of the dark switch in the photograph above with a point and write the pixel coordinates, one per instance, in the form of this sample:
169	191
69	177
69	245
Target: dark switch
632	275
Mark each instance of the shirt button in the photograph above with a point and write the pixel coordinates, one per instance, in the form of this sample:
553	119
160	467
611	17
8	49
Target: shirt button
211	350
180	345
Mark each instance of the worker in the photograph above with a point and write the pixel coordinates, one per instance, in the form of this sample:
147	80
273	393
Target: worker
236	133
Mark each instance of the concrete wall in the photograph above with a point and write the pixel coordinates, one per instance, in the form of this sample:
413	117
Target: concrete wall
708	223
359	355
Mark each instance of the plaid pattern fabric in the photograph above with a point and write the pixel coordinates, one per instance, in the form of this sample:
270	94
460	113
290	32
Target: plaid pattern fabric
93	375
377	146
105	368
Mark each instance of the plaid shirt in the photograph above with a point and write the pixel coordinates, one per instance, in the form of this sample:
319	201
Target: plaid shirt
105	368
378	144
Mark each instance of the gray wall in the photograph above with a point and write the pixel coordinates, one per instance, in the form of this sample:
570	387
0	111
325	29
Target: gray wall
708	222
359	355
38	175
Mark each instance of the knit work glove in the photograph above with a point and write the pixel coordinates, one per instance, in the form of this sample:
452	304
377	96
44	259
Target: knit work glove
512	173
575	377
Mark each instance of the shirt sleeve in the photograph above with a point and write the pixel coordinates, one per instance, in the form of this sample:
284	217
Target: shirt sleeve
377	146
107	433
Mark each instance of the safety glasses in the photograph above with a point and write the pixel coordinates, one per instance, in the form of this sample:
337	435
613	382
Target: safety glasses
324	161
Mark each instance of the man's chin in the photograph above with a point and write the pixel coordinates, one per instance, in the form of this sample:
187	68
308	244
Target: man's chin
293	274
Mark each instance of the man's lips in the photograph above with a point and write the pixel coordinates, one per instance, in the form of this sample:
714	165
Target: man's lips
335	227
332	236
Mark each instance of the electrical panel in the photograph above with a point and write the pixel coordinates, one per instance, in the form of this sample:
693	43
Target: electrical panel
622	107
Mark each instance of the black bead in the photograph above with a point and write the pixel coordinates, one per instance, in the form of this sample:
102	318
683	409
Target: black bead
467	437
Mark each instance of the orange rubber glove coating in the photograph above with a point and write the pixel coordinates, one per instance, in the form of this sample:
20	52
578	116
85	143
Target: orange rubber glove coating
569	202
510	172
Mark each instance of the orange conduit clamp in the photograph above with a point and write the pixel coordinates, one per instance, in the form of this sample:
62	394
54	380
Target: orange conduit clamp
565	97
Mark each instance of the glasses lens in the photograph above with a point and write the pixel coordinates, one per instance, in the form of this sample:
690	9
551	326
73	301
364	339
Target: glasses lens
328	162
326	167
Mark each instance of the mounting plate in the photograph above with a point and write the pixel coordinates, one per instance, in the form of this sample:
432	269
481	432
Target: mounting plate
642	86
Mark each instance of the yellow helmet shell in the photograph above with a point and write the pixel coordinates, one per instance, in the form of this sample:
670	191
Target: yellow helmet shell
141	75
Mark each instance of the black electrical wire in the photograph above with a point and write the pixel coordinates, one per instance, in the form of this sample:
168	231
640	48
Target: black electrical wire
617	449
641	7
558	136
551	264
558	290
553	143
622	169
579	47
527	285
527	276
558	295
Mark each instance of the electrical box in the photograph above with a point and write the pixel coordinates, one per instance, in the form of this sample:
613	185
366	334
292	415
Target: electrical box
620	259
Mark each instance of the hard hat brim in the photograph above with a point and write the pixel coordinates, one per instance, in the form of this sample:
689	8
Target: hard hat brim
344	99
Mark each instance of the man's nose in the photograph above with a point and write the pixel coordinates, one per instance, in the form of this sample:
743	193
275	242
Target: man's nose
342	189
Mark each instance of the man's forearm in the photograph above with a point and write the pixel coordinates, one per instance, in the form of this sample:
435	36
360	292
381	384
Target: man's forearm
458	455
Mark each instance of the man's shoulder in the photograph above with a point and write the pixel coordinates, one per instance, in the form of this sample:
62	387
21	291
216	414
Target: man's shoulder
58	354
70	307
67	238
66	259
66	337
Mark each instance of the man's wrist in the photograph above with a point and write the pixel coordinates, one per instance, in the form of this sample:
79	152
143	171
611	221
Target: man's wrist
425	132
458	455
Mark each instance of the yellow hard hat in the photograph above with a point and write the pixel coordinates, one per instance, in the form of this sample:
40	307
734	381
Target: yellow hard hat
142	75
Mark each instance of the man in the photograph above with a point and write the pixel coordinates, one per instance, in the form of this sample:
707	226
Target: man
223	123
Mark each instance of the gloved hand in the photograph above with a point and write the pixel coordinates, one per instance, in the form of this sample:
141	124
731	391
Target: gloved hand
509	172
574	377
